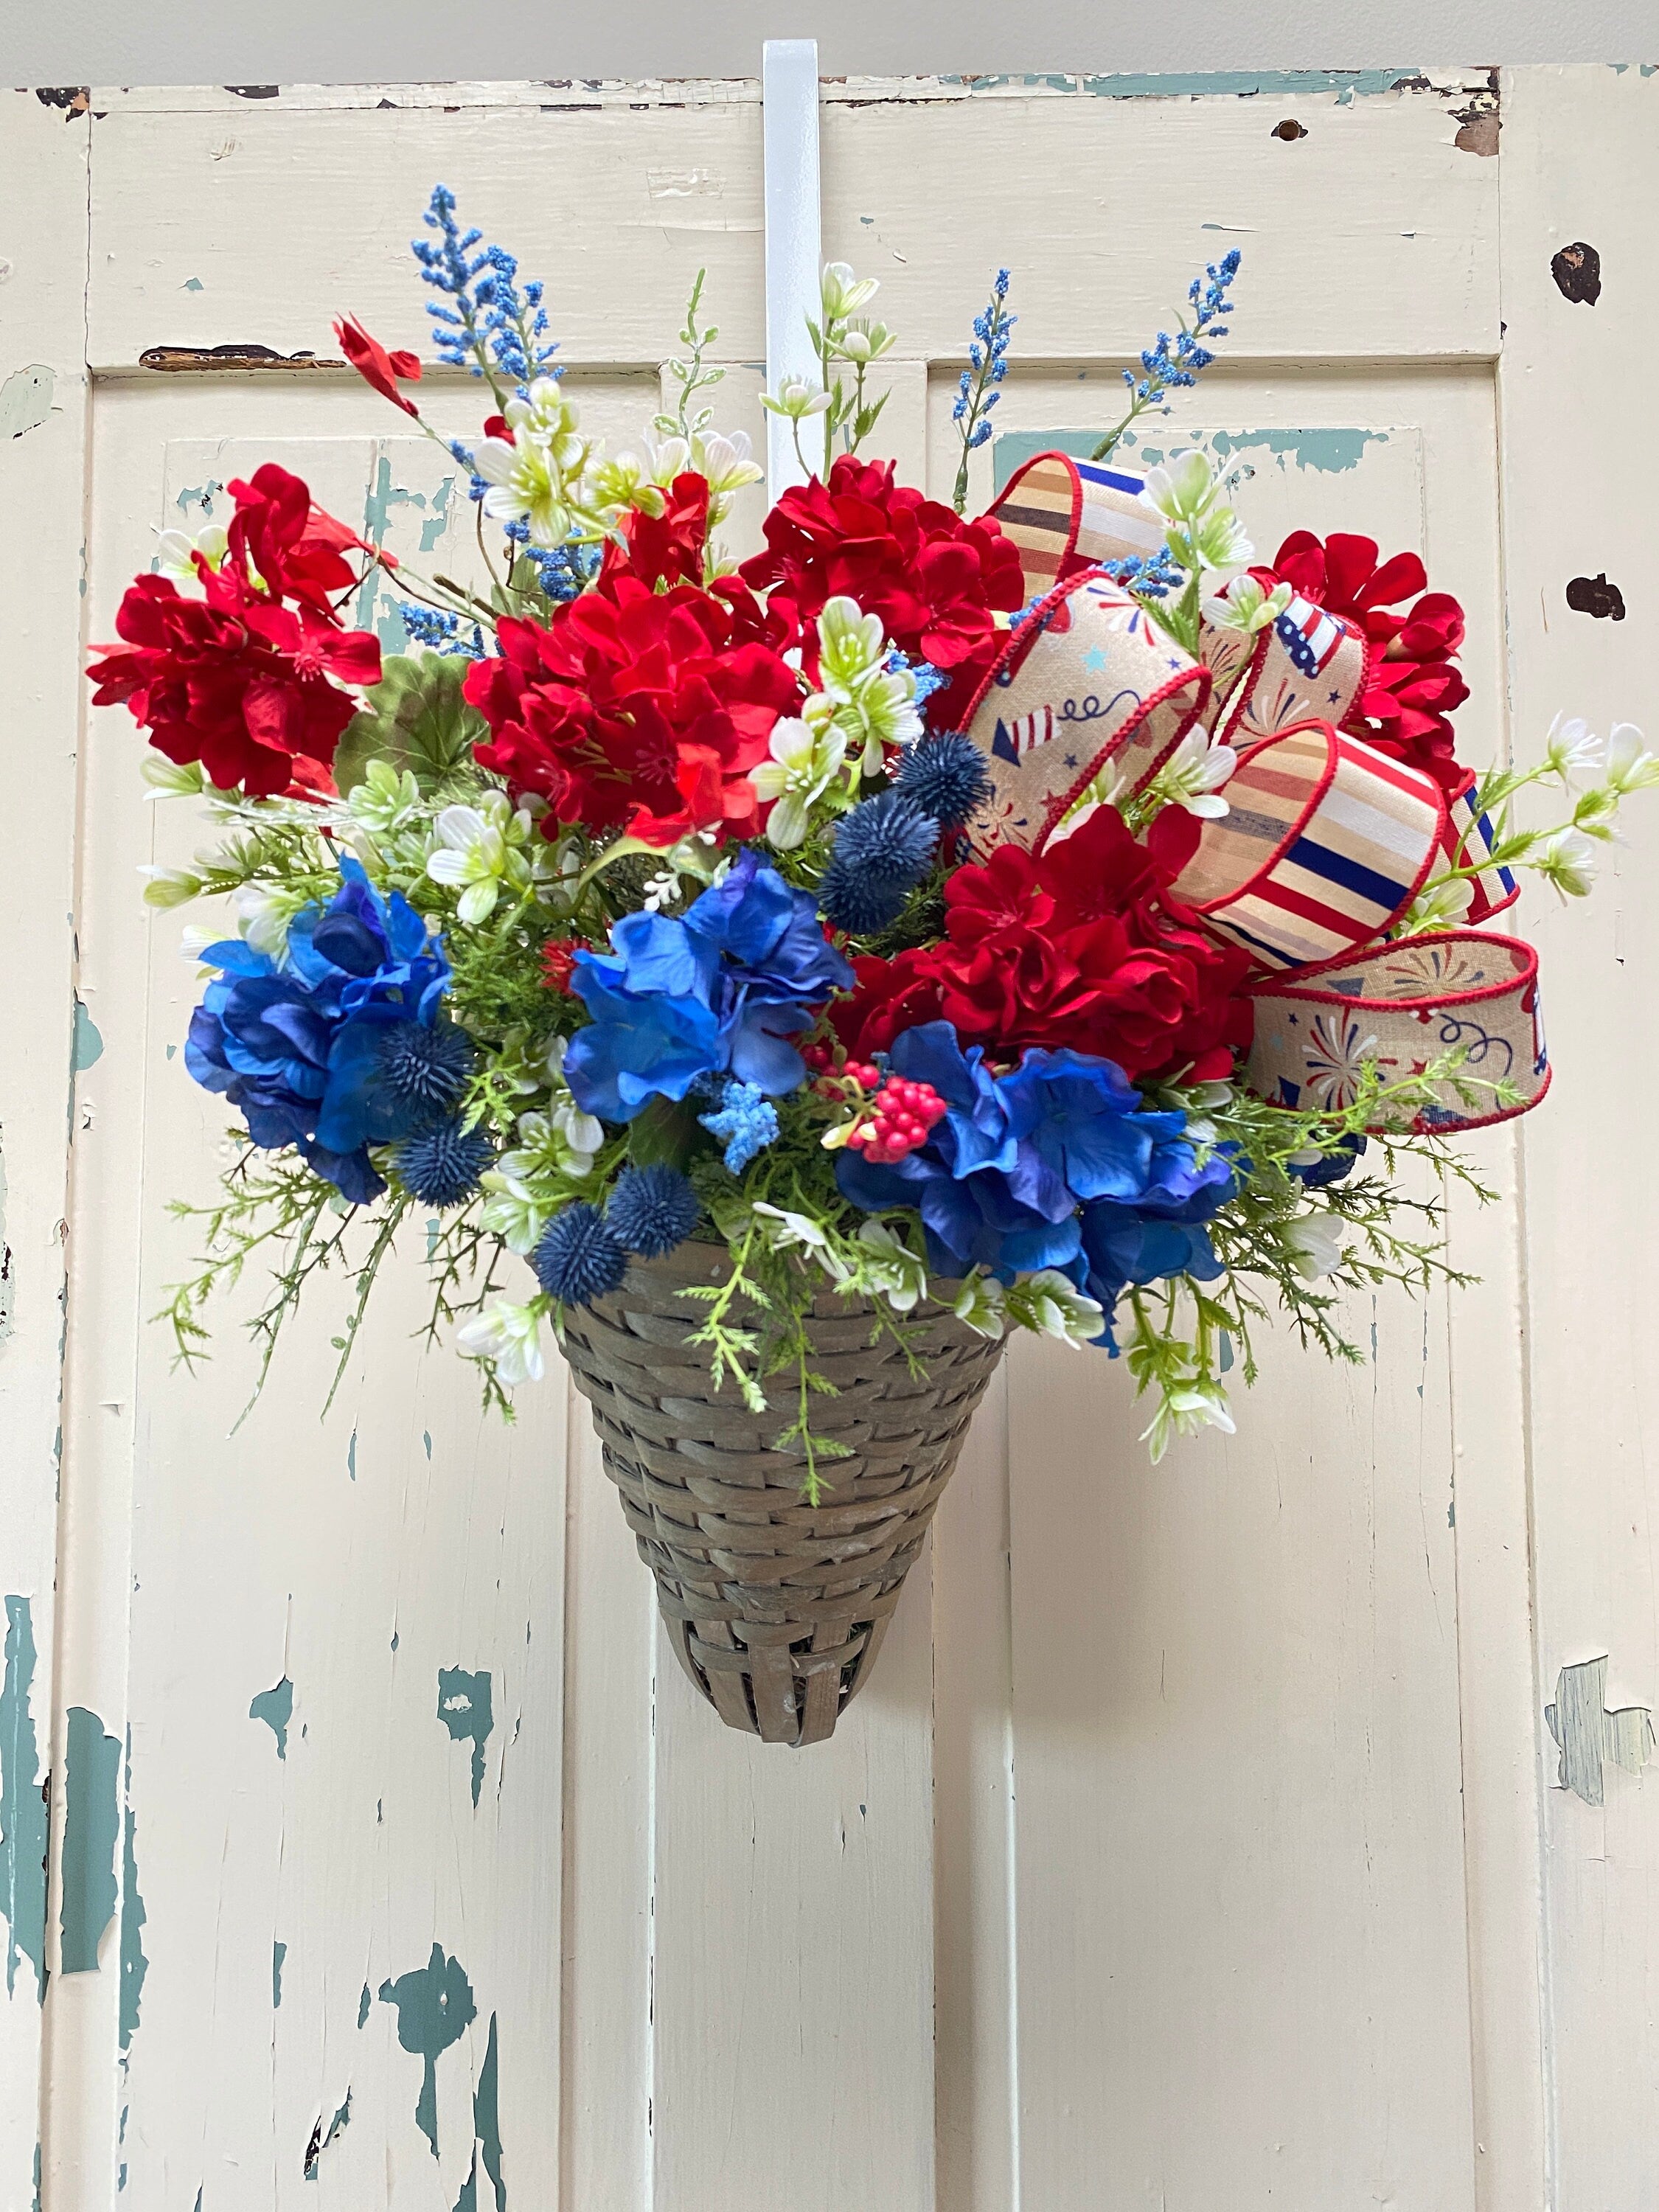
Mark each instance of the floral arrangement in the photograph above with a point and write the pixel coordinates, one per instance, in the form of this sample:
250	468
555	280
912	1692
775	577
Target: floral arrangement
1057	914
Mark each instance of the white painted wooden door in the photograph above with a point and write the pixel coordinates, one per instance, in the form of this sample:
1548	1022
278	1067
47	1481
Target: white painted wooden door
1197	1844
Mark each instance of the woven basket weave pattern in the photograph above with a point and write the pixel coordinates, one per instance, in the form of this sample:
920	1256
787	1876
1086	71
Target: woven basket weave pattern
777	1608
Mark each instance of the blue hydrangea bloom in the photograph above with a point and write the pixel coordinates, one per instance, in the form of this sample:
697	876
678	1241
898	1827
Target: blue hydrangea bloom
298	1046
720	990
1000	1181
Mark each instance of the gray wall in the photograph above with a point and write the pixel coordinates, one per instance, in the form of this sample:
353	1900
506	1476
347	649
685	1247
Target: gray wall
54	42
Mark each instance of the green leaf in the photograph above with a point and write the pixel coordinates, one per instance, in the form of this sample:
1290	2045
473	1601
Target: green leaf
415	717
666	1130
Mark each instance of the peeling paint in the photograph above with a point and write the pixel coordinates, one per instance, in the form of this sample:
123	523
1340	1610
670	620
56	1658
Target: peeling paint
1596	597
134	1965
275	1707
23	1819
1589	1735
26	399
92	1772
89	1042
486	2119
1576	269
6	1291
1327	449
321	2138
278	1953
192	284
435	2008
465	1708
351	1456
363	2003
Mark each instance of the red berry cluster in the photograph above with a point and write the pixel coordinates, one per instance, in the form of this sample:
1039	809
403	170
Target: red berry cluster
893	1115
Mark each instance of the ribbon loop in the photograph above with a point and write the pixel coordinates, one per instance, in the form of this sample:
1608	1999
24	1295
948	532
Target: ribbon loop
1402	1006
1468	841
1324	845
1086	679
1308	665
1065	515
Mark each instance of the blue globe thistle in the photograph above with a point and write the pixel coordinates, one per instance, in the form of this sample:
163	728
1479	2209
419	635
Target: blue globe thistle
651	1210
1330	1167
883	848
423	1069
945	776
441	1167
579	1259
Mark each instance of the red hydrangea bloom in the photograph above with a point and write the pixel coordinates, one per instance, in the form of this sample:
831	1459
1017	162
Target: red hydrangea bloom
378	368
934	578
1410	688
1075	948
237	679
637	709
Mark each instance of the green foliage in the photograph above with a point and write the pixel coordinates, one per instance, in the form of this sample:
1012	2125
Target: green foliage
414	718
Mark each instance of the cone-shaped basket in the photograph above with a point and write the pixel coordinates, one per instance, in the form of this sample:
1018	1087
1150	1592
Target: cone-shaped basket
777	1608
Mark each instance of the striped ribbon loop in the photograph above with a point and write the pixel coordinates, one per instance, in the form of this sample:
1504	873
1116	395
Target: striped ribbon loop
1468	841
1065	515
1308	665
1085	679
1324	846
1400	1006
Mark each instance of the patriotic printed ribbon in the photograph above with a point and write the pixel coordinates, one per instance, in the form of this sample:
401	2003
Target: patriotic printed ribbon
1087	679
1326	842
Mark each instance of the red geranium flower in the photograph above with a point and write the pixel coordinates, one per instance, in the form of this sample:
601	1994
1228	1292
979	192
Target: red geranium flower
375	365
236	679
636	707
1410	688
1073	948
933	578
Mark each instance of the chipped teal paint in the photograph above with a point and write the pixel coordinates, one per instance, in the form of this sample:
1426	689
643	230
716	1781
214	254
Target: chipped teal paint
426	1438
486	2119
92	1764
192	284
278	1953
468	2199
121	2179
1245	84
22	1806
172	1050
434	1230
438	521
134	1965
35	2206
198	496
26	399
275	1707
435	2008
351	1456
464	1708
1327	450
363	2003
379	500
88	1044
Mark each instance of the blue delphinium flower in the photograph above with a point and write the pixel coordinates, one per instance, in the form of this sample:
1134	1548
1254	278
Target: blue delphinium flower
652	1209
298	1047
1001	1179
442	1165
746	1124
882	850
945	774
987	364
482	322
579	1259
720	989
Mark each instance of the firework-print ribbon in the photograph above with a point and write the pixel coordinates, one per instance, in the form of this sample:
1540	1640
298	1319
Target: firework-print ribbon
1086	683
1399	1008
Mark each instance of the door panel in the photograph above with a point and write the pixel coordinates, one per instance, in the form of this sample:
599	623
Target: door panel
1182	1850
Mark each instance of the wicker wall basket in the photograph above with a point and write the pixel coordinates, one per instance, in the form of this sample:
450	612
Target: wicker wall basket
777	1608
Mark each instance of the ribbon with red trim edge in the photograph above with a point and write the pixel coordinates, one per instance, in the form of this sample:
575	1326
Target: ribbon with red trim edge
1325	841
